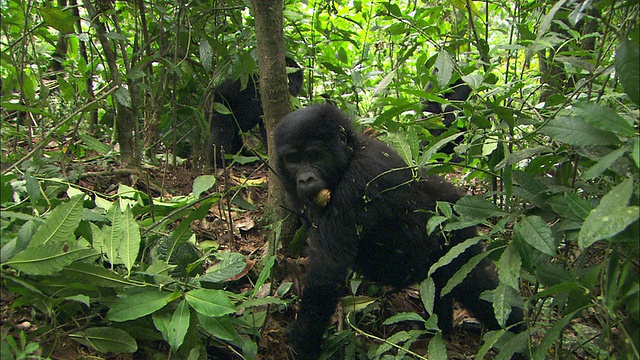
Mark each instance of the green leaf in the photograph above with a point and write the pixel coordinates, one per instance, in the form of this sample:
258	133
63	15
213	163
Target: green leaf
472	207
220	327
94	144
404	316
454	252
500	298
264	273
627	59
578	205
106	340
206	54
123	96
572	130
604	164
462	273
130	243
230	265
606	226
537	233
603	118
49	258
61	224
161	320
509	267
138	305
97	275
437	348
203	183
610	217
551	335
428	294
210	302
179	325
60	20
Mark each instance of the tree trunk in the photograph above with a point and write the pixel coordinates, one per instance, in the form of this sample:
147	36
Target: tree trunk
274	93
125	116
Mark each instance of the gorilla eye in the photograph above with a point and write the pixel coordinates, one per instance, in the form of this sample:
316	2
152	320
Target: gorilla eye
314	155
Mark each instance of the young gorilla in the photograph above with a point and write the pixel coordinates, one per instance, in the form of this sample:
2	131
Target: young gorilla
368	214
246	112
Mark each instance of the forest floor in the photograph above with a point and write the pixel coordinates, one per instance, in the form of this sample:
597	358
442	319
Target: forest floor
247	234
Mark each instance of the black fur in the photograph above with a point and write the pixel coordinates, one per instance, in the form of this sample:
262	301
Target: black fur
371	224
246	108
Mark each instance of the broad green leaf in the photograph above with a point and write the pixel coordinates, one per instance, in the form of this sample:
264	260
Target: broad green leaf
404	316
264	273
384	83
230	265
130	243
610	217
551	335
537	233
202	183
454	252
106	340
210	302
123	96
138	305
61	224
572	130
179	325
603	118
437	349
33	188
627	59
605	226
531	184
517	156
462	273
60	20
499	297
94	144
206	54
490	339
578	205
472	207
445	65
221	109
397	338
97	275
112	235
604	164
49	258
221	327
509	267
161	320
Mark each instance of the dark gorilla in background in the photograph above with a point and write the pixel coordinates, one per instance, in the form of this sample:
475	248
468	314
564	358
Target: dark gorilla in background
367	212
246	108
459	92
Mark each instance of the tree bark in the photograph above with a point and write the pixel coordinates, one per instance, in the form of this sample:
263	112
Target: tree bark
274	93
125	116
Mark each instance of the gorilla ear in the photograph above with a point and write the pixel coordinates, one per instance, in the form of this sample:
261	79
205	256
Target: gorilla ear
343	135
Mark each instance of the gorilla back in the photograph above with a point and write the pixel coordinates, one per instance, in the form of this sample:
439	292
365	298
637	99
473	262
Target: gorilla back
372	220
246	111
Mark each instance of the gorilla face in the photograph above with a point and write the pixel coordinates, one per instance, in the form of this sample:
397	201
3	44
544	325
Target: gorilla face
313	152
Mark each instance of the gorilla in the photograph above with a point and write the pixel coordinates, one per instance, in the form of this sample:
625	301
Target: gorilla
368	212
459	92
246	112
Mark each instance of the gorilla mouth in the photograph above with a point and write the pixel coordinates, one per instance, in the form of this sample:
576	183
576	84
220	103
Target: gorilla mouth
322	198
